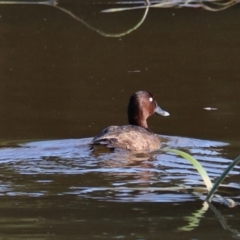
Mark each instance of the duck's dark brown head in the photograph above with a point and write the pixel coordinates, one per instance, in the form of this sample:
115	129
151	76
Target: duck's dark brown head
141	106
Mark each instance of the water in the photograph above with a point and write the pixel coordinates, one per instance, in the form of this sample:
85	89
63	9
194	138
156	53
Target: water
62	83
57	189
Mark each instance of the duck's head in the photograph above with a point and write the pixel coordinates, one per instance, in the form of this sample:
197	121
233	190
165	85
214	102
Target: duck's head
141	106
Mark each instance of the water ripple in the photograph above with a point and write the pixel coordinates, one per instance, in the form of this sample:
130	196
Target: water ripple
63	167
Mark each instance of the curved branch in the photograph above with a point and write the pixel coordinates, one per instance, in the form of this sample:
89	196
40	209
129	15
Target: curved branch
101	32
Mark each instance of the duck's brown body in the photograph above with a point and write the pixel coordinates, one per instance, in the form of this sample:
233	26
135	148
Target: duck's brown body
128	137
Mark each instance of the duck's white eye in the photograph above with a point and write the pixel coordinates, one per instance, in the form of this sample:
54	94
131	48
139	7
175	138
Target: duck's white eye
150	99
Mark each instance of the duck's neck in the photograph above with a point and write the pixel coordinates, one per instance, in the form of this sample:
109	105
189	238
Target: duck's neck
136	116
138	122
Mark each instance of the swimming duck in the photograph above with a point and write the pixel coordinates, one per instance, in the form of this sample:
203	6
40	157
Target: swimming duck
136	136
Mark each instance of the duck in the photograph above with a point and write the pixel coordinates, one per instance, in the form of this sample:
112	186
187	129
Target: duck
136	136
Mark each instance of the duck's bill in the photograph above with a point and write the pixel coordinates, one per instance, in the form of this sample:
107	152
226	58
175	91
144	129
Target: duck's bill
159	111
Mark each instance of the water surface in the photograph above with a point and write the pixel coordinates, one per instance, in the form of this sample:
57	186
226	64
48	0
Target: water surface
62	83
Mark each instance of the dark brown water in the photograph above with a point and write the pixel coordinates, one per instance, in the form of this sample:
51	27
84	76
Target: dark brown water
61	80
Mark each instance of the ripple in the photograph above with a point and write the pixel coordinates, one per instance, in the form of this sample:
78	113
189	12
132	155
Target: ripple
62	167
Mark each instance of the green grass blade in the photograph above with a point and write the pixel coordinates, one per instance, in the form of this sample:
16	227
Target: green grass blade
195	163
221	178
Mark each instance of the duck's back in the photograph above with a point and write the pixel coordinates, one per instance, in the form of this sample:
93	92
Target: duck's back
128	137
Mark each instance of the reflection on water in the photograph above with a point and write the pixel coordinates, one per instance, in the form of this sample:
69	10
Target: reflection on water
65	175
116	176
67	8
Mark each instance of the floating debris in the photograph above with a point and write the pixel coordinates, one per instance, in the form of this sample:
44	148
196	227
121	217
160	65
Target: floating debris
210	109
